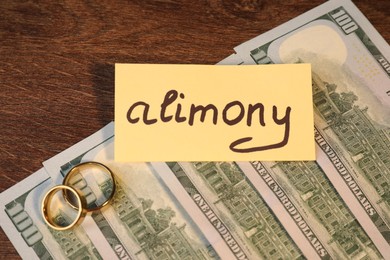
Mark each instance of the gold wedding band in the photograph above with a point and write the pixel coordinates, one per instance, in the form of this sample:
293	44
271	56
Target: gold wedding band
74	171
78	202
81	211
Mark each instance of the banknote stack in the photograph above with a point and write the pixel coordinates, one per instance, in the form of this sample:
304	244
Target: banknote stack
337	207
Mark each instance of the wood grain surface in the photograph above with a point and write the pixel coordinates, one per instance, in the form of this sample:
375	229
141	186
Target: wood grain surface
57	62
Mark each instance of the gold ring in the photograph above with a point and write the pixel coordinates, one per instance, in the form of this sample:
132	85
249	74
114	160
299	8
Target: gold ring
81	212
74	170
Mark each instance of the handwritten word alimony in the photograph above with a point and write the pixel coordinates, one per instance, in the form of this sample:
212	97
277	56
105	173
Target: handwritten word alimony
139	113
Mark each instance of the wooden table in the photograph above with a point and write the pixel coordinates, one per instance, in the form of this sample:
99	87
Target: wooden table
57	62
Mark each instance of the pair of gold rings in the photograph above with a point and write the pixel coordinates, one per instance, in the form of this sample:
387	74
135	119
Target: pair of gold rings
76	200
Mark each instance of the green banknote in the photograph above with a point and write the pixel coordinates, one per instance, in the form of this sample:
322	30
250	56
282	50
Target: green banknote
310	199
144	220
228	199
233	59
351	98
22	221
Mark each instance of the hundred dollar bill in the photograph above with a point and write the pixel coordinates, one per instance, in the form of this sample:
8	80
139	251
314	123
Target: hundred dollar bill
144	220
351	96
233	206
317	208
232	59
22	221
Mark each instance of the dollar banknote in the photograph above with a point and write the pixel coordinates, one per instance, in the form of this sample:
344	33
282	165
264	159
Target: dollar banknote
144	220
228	199
233	59
312	201
228	230
22	221
351	98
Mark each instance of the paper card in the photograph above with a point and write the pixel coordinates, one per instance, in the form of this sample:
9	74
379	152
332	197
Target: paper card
213	113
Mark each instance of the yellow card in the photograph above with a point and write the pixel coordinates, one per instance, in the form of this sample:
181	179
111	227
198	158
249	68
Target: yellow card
213	113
